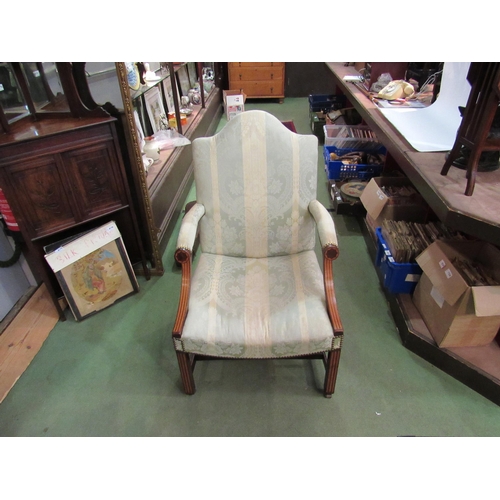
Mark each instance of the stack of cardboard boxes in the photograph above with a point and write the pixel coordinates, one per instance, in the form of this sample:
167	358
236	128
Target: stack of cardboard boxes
456	312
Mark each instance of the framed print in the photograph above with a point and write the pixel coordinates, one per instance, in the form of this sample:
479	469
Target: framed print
183	78
93	269
193	75
155	109
169	94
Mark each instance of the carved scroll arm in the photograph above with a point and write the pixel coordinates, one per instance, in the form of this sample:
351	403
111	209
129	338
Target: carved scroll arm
184	256
330	249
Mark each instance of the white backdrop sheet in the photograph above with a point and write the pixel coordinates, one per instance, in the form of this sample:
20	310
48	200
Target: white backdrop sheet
434	128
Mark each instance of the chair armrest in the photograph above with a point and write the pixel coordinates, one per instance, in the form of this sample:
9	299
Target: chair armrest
330	248
326	229
183	255
189	227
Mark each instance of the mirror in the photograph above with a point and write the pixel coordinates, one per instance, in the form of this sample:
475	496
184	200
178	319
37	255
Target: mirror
36	87
44	86
11	97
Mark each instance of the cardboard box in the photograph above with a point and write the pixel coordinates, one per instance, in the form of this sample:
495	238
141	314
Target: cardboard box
234	102
379	206
456	314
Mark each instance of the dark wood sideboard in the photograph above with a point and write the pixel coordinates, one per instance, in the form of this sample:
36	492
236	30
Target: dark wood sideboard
62	177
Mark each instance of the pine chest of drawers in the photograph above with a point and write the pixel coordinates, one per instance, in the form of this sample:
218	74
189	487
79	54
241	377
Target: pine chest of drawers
258	79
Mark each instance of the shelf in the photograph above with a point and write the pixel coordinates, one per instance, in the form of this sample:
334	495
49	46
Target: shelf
476	367
477	215
156	171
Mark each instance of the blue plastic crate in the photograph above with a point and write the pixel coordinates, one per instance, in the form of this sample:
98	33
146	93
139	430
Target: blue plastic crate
326	102
337	170
398	277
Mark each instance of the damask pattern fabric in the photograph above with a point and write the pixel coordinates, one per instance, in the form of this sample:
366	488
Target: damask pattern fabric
259	210
257	308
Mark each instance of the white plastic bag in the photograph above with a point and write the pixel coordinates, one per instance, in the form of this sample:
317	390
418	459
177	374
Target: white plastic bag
170	139
383	80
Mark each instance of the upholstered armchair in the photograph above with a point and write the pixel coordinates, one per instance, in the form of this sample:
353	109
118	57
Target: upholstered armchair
258	290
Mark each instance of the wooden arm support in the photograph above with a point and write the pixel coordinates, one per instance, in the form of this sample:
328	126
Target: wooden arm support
330	253
184	257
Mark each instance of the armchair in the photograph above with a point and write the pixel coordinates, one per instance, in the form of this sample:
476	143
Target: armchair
258	290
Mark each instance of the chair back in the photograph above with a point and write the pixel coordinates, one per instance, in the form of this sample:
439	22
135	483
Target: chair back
256	179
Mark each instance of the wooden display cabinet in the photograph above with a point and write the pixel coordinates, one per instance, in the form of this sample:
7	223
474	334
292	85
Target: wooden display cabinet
162	190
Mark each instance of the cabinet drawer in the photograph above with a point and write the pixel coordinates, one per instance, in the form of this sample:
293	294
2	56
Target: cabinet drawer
260	89
253	64
258	73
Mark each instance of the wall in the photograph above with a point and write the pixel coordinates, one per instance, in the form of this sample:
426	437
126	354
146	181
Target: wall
304	78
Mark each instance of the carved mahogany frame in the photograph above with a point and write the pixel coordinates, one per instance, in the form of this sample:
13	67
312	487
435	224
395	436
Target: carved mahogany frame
138	172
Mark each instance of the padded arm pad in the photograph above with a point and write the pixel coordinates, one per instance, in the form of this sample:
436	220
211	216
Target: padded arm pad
325	224
189	227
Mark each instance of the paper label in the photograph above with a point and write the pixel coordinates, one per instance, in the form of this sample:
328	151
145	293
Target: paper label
442	264
381	195
448	273
412	277
79	248
438	298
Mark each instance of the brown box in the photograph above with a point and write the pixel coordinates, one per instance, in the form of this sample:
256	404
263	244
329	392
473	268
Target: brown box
456	314
379	206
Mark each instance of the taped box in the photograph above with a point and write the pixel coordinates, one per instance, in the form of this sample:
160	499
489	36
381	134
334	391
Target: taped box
457	313
234	102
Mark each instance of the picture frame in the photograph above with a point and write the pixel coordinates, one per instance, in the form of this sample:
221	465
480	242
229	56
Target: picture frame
169	94
93	269
156	111
183	78
193	75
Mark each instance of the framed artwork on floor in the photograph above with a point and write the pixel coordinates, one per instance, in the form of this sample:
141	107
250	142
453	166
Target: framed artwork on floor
155	109
93	269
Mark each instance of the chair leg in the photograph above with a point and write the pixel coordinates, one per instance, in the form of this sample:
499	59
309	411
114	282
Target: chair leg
332	366
452	156
472	170
186	369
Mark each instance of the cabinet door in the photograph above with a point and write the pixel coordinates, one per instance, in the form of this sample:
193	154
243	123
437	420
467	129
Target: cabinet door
42	199
94	175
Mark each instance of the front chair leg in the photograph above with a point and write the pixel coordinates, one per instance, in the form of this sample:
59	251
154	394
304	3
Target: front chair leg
332	366
186	369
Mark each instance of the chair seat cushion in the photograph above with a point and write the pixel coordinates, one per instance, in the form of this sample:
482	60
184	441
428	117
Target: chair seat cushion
257	307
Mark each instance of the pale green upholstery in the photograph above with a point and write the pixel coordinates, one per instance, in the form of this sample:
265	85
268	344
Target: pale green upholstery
256	179
257	308
258	290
